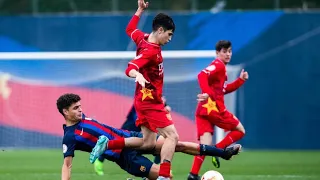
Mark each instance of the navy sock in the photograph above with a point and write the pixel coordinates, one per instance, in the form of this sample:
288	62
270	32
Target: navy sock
211	150
157	159
101	158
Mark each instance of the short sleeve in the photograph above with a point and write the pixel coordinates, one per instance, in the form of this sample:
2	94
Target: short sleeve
213	68
142	59
68	145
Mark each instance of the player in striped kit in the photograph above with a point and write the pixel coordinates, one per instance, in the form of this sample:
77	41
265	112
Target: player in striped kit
82	133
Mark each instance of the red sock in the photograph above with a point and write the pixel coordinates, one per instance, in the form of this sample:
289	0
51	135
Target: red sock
116	143
165	169
196	166
231	137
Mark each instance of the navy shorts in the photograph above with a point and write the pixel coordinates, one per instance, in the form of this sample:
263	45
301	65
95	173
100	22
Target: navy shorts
134	163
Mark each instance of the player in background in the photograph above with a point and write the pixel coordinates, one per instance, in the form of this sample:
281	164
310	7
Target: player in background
211	110
130	125
147	69
82	133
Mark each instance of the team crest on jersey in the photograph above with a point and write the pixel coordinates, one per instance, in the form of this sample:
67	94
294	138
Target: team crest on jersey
64	148
160	69
142	169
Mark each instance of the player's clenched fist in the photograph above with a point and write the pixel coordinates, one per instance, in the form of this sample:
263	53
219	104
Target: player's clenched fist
244	75
142	4
141	80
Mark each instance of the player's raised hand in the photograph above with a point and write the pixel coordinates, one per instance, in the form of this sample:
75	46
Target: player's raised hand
202	97
142	4
244	75
141	80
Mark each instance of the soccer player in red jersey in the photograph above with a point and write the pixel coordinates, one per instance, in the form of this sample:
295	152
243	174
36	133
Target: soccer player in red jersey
147	69
211	110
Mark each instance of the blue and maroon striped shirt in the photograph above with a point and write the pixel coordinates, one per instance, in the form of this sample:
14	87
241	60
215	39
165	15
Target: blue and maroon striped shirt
84	135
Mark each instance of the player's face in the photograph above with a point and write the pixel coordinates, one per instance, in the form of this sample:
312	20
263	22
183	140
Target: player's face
164	36
74	112
225	55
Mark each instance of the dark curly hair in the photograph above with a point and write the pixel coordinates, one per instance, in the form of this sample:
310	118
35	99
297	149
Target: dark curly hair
66	100
164	21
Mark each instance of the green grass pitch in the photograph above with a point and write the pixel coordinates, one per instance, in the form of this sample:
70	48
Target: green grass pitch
249	165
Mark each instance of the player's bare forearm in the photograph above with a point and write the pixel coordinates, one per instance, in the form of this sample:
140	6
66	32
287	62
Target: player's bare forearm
139	12
133	73
132	25
66	168
234	85
66	172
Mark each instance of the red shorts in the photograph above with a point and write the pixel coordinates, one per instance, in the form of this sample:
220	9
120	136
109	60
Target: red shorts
224	120
153	119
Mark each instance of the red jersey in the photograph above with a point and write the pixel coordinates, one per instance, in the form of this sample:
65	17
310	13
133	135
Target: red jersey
212	80
149	63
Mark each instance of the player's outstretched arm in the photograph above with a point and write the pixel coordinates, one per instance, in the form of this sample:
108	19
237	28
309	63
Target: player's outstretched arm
142	5
66	168
237	83
132	25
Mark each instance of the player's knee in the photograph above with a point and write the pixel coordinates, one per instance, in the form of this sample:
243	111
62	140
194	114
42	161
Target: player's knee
206	138
173	136
241	128
148	145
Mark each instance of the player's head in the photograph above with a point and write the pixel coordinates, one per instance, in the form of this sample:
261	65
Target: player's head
69	106
163	26
224	50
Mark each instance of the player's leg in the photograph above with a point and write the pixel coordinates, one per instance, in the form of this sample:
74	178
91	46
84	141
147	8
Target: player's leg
230	122
130	125
207	150
138	165
205	132
199	149
157	159
168	148
148	141
149	138
104	143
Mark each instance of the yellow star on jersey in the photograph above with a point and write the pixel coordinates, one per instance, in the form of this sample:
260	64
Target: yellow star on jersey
146	93
211	106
